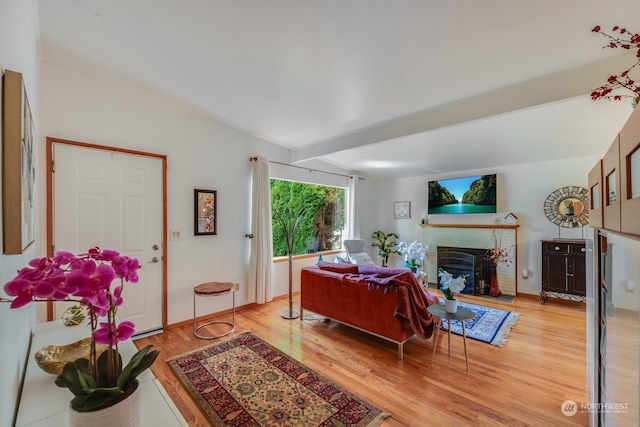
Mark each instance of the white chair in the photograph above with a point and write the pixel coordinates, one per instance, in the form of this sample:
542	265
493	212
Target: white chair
354	246
356	252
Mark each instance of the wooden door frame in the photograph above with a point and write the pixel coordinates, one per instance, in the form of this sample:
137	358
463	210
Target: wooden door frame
49	171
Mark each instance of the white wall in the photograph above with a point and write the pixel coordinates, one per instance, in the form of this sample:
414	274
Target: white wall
522	190
18	52
86	104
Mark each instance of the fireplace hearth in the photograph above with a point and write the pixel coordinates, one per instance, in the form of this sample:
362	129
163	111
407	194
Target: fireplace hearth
467	261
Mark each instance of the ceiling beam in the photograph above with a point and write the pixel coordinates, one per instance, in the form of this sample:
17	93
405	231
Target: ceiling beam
568	84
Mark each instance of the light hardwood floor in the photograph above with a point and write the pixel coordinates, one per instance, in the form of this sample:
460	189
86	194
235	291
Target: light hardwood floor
523	383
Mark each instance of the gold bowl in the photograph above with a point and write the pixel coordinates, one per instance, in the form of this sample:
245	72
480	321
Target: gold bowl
52	358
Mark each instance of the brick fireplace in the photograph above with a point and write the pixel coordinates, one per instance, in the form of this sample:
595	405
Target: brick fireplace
476	237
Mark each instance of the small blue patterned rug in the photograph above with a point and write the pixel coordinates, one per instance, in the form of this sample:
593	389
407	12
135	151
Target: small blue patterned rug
491	325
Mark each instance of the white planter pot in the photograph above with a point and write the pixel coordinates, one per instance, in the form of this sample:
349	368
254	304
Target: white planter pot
451	305
125	413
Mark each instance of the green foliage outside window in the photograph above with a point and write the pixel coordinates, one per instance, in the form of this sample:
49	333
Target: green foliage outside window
320	228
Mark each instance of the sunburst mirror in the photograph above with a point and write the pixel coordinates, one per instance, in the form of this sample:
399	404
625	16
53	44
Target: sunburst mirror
568	207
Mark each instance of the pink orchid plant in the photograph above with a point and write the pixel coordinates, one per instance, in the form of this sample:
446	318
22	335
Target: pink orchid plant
87	279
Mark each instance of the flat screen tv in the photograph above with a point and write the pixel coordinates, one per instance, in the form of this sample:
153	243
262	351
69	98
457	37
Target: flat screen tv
468	195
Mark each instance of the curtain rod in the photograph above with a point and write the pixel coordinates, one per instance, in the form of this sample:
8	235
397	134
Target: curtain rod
253	159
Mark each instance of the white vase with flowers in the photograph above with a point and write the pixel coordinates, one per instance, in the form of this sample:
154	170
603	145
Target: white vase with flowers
414	253
450	287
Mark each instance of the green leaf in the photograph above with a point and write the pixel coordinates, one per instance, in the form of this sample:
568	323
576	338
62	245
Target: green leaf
140	362
69	378
90	394
103	364
87	381
82	365
95	399
85	403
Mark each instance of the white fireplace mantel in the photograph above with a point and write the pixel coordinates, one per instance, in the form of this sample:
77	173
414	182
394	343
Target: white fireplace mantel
477	236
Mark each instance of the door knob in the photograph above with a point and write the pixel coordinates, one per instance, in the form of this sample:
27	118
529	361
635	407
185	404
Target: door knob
155	259
155	247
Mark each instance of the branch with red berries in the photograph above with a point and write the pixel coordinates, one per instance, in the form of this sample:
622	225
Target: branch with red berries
627	41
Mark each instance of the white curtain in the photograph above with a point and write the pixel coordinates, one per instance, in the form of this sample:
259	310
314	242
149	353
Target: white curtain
261	260
353	225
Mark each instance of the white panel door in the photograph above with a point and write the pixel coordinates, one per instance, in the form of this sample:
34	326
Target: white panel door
114	201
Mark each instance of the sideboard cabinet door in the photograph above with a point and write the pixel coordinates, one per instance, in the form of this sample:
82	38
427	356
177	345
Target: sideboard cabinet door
563	269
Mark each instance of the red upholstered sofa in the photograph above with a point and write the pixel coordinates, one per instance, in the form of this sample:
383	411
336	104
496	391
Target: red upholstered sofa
388	303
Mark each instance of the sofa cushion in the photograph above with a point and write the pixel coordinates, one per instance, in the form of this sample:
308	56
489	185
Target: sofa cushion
381	271
361	258
343	268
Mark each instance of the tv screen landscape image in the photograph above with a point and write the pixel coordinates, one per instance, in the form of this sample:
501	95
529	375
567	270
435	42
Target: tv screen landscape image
468	195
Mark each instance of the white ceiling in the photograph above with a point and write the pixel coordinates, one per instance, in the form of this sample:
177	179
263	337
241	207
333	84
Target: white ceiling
384	87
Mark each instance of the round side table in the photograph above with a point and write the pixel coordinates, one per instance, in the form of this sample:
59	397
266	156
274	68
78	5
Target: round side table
214	289
462	314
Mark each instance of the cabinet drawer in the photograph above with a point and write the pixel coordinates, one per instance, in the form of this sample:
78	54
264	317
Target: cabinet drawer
577	249
557	247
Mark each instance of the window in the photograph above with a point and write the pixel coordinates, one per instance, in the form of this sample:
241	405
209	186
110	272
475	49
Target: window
634	173
611	188
595	197
320	227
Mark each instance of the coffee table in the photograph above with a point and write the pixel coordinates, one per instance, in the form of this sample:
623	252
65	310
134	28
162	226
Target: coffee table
462	315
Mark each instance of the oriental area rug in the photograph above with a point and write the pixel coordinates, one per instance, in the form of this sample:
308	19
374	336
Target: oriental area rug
244	381
491	325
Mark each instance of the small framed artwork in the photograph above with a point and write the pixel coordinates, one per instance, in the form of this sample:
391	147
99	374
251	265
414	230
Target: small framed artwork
205	212
402	210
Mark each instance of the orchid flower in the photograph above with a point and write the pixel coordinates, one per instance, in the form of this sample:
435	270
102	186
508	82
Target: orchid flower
449	285
86	279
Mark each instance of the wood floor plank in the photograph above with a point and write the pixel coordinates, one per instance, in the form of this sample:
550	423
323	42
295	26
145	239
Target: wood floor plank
523	383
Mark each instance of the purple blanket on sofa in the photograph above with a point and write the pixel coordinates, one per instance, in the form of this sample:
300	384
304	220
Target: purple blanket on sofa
411	308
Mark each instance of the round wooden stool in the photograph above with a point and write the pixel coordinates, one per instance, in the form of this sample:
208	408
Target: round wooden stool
214	289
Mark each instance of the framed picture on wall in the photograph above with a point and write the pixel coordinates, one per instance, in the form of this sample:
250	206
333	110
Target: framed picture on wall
18	166
402	210
205	212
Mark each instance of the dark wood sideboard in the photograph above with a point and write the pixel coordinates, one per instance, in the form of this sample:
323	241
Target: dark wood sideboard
563	269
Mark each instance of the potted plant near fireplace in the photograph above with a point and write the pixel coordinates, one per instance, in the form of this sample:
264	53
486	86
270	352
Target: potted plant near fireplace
450	287
414	254
100	383
385	244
